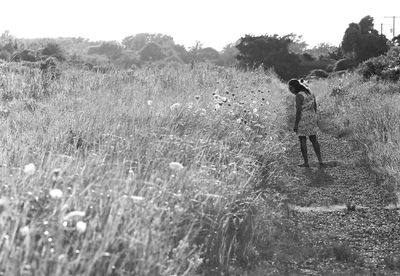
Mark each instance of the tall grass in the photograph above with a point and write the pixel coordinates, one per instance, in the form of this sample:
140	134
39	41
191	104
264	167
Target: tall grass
368	113
151	172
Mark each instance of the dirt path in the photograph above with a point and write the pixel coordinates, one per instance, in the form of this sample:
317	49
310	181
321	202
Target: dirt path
318	200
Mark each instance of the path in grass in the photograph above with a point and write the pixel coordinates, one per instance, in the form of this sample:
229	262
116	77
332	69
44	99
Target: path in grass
318	198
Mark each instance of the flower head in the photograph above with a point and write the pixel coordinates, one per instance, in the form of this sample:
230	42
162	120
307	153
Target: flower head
81	226
176	166
175	106
55	193
24	231
30	169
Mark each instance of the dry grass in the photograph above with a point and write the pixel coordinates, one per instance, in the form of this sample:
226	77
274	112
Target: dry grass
103	196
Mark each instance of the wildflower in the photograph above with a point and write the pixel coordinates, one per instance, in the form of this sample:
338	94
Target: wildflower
176	166
175	106
197	97
81	226
255	110
189	105
217	106
24	231
74	214
30	169
56	193
149	102
137	198
239	121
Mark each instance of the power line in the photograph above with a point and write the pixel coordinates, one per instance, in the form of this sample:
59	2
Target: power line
394	23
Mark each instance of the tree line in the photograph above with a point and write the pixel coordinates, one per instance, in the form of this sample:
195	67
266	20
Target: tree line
288	55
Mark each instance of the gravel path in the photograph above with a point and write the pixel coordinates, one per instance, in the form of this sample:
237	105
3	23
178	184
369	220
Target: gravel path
368	229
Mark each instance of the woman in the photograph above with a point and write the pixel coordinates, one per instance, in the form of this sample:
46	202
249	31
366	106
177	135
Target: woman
306	119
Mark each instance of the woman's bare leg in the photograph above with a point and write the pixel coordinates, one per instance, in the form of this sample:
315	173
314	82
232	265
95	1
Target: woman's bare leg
317	149
303	148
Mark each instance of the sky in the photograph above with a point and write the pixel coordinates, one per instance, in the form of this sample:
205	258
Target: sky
215	23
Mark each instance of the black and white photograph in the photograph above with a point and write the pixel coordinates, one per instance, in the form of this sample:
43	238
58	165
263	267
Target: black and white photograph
199	138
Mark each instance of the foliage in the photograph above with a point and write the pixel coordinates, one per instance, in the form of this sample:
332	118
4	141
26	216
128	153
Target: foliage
344	64
151	52
268	52
5	55
361	41
385	67
53	50
318	73
112	50
297	45
322	50
228	55
138	41
25	55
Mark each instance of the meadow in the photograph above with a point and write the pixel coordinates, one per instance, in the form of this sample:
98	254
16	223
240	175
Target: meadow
162	171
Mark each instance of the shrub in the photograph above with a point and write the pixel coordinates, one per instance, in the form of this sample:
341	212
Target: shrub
344	64
384	67
25	55
318	73
4	55
53	50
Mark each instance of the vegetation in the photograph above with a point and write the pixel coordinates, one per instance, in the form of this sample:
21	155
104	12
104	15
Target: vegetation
171	168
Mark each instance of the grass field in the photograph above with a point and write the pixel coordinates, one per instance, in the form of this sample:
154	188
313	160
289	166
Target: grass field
158	171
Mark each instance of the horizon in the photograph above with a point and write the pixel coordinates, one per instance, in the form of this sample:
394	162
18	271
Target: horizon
212	24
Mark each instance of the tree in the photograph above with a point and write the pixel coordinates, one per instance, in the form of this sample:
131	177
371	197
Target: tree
361	41
110	49
138	41
151	52
268	52
52	49
298	45
228	54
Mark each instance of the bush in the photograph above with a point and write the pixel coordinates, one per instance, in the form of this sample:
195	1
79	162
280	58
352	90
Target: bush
344	64
318	73
53	50
25	55
4	55
384	67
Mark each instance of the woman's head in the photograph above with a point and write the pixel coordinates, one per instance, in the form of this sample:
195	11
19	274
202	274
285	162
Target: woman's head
295	86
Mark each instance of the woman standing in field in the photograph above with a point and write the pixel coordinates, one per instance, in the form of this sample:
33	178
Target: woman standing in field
306	119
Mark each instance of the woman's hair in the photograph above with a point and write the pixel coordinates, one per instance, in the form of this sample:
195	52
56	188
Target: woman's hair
299	85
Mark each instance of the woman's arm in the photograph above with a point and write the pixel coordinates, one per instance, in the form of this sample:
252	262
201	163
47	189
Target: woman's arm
299	104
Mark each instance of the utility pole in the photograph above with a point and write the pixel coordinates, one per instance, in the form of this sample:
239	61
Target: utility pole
381	28
394	23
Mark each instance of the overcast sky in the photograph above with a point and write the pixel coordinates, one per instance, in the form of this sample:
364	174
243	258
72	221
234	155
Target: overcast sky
215	23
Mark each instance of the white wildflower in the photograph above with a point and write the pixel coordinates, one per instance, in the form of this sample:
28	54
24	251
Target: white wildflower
149	102
175	106
176	166
137	198
255	110
30	169
74	214
189	105
81	226
24	231
239	121
55	193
